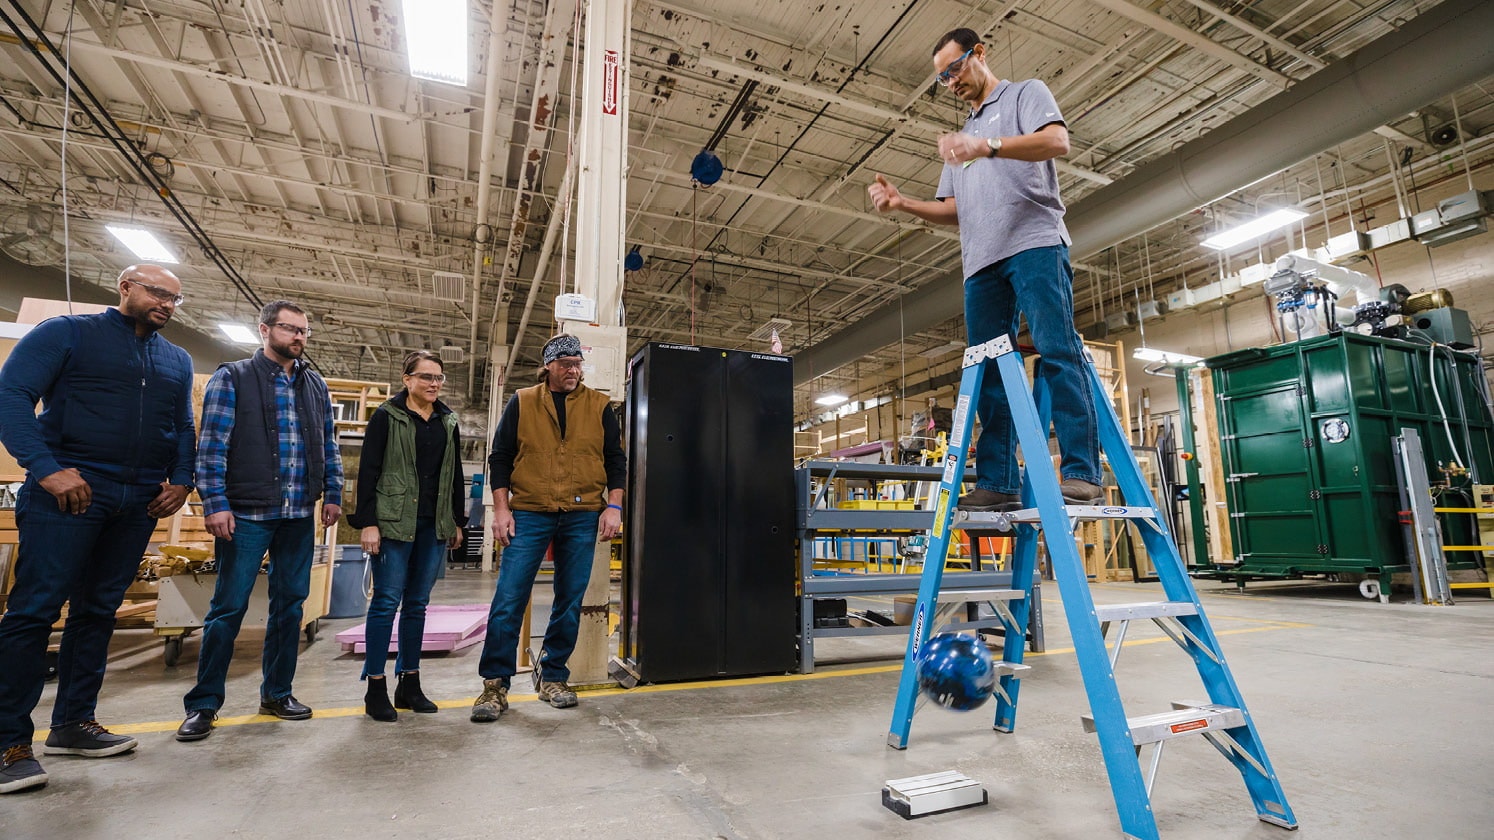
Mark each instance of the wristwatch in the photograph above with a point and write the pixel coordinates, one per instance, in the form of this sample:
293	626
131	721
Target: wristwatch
994	144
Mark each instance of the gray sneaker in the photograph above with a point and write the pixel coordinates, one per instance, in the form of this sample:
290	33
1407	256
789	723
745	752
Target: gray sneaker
88	739
20	770
491	703
557	694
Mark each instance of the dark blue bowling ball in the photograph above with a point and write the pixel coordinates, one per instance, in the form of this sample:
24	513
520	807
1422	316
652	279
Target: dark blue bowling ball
956	671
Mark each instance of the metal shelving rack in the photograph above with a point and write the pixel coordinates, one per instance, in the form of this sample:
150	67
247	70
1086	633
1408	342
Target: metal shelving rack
813	521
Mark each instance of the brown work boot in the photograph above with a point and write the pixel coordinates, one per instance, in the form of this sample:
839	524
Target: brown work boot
1077	491
492	702
557	694
989	501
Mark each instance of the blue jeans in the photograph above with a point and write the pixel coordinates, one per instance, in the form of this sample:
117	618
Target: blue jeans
574	534
86	559
403	574
1040	283
289	542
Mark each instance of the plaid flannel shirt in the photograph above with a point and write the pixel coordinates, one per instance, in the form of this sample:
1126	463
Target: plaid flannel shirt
219	403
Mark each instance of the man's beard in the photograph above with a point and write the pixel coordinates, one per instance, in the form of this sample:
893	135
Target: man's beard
287	350
144	318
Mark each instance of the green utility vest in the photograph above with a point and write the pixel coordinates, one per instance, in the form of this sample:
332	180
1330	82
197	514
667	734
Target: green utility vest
399	486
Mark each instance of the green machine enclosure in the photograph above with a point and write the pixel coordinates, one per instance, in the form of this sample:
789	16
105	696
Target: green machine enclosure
1306	435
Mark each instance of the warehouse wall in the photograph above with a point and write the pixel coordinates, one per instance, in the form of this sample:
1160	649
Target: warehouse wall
1464	268
18	281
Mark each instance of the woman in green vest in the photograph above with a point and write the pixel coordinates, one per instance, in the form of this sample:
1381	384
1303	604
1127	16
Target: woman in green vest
410	510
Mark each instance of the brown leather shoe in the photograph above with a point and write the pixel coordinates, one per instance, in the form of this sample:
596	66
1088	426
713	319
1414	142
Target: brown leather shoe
989	501
1080	492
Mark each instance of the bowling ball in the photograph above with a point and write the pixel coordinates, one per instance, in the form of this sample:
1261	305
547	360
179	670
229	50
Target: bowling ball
955	670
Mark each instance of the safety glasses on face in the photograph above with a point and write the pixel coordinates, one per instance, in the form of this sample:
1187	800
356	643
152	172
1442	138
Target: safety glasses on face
430	378
292	329
946	76
160	294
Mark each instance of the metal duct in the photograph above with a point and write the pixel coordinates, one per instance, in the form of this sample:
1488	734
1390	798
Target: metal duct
1435	54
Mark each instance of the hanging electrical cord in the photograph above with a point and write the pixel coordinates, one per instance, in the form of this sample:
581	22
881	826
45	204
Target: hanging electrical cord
67	98
49	57
694	257
570	149
902	336
1437	395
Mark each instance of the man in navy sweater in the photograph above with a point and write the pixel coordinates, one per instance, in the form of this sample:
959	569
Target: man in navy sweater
111	452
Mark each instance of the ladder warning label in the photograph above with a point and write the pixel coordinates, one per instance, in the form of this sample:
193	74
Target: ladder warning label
941	513
959	427
1189	726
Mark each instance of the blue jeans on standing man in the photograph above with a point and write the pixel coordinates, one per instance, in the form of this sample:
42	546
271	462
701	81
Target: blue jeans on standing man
87	559
574	534
1039	283
403	575
290	543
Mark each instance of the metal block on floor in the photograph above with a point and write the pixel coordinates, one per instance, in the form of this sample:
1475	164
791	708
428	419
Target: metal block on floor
932	793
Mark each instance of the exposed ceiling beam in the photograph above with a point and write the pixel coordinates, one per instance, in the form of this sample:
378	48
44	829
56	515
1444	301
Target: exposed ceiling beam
730	65
199	71
1207	46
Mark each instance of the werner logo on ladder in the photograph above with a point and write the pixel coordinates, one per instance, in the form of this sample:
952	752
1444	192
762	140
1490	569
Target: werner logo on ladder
1223	720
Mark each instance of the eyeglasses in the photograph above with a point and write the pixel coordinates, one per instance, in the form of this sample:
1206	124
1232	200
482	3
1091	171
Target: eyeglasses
954	68
433	378
160	294
569	364
293	329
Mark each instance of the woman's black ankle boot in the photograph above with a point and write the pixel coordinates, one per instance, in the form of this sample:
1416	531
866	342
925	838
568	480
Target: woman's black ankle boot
407	695
376	700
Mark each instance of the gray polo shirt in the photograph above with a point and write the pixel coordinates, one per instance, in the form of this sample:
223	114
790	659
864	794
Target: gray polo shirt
1006	206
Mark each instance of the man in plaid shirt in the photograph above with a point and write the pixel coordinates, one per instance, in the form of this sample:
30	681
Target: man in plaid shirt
267	452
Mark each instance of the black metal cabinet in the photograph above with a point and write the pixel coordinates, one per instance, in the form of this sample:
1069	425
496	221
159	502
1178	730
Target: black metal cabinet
708	574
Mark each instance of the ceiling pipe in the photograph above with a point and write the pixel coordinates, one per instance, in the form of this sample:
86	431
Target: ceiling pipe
1434	55
559	19
482	231
542	266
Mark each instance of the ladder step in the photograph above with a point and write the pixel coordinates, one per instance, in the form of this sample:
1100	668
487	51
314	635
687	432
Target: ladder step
1191	720
948	595
1015	670
991	520
1144	610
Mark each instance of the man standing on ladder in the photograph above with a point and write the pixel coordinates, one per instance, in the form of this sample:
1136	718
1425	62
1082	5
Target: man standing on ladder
1000	187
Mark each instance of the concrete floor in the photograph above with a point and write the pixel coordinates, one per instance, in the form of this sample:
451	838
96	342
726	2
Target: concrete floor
1375	716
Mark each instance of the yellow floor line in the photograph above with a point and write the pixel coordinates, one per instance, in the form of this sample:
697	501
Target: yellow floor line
466	703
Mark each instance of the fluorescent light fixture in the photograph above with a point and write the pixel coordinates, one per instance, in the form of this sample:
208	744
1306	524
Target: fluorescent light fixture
239	334
830	399
1253	229
942	349
143	243
436	39
1152	354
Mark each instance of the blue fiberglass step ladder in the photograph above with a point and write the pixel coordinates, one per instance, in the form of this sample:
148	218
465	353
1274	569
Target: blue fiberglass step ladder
1223	720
